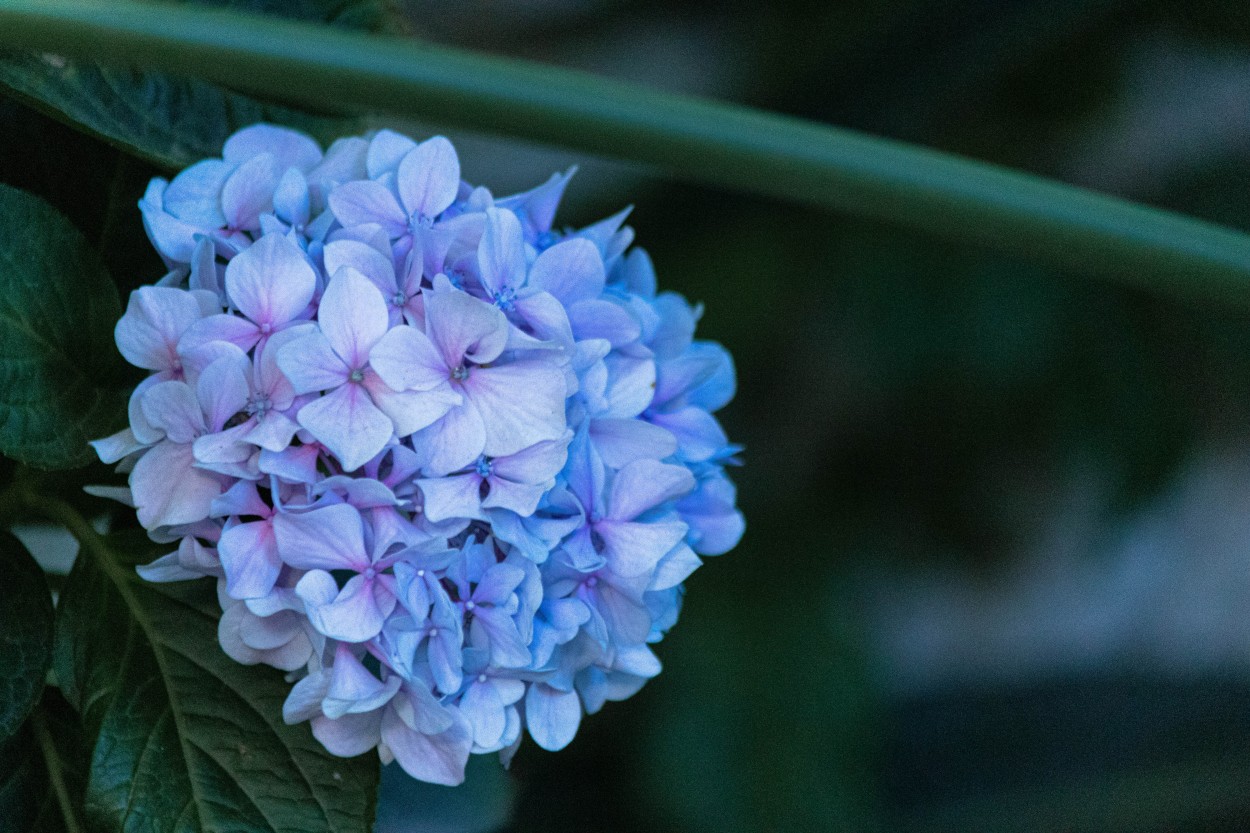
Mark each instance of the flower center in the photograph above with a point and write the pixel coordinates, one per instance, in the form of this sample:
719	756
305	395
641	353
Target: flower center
399	299
460	373
483	467
357	376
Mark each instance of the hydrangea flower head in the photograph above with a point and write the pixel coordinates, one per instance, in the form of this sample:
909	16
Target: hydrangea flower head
449	465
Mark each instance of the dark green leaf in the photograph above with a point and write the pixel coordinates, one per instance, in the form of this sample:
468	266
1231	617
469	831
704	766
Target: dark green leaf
185	738
21	793
42	770
60	377
25	635
172	121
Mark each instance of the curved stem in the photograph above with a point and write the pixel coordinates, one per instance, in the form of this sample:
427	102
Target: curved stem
714	142
52	761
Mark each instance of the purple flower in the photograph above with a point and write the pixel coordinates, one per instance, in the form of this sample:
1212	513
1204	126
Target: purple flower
449	466
359	413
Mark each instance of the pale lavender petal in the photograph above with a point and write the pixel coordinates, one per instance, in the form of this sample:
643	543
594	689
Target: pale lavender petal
329	538
304	699
645	484
350	735
407	360
547	318
498	584
361	492
438	759
571	270
344	161
621	441
248	192
365	259
410	411
270	282
521	404
634	549
291	200
462	326
270	379
552	716
627	618
451	497
386	149
297	464
241	499
249	555
156	318
429	177
536	464
501	254
353	317
291	148
222	389
358	203
484	709
350	615
347	423
225	450
230	329
674	568
631	386
194	196
206	275
353	689
167	568
697	432
457	440
174	239
272	432
116	446
173	408
168	489
537	207
606	320
310	364
521	498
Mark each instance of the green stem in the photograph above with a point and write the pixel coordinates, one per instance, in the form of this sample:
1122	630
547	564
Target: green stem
55	509
52	761
719	143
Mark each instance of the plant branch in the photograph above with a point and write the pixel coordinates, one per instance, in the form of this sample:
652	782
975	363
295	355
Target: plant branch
52	762
718	143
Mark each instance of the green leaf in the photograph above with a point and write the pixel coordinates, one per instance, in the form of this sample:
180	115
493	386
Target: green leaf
184	737
61	380
42	770
714	142
171	121
25	635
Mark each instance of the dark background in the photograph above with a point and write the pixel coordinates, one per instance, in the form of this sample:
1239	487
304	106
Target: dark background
997	563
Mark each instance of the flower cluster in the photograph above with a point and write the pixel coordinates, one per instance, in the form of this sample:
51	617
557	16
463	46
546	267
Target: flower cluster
449	466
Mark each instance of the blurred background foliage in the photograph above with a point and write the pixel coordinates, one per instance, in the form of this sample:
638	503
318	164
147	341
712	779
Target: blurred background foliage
997	564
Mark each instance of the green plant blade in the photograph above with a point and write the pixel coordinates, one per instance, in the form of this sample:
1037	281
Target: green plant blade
172	121
185	738
41	771
25	635
713	142
61	381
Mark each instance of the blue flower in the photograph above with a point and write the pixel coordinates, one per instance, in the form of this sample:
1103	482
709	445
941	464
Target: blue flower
449	465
